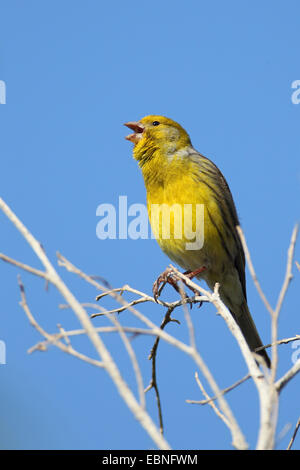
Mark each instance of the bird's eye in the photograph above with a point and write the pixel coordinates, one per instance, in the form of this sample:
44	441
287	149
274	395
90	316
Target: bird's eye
155	123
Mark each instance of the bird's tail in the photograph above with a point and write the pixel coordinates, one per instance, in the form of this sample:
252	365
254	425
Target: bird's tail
248	328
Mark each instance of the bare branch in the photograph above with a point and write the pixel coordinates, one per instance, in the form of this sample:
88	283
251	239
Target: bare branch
267	393
52	339
85	321
252	270
132	356
288	274
294	435
287	279
24	266
211	402
268	389
225	390
153	383
279	341
284	380
237	435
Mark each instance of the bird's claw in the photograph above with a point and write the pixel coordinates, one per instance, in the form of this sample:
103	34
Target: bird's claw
165	277
168	276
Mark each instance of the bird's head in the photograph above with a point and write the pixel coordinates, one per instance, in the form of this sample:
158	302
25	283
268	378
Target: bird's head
156	133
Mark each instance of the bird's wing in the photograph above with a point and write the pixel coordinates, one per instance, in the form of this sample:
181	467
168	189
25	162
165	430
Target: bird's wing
211	175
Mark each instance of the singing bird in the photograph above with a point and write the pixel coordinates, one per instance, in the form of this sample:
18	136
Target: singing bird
178	176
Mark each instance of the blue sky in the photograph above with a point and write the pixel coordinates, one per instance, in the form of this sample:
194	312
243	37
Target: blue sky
74	73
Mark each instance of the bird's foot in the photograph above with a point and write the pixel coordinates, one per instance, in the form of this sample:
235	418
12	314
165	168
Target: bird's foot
165	277
168	276
190	274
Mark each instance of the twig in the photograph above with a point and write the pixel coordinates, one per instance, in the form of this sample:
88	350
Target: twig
152	356
132	357
51	338
279	341
143	298
187	316
65	336
267	429
294	435
284	380
268	389
252	270
225	390
287	279
24	266
42	345
211	402
110	366
237	435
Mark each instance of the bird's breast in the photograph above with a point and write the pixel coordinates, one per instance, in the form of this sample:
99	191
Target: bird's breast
180	210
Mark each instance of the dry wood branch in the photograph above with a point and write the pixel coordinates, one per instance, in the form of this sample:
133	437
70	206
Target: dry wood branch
142	299
51	339
268	389
211	402
225	390
252	270
94	337
274	323
280	341
131	354
294	435
24	266
288	376
152	356
238	439
271	401
267	430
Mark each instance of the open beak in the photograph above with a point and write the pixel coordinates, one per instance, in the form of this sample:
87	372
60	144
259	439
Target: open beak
138	130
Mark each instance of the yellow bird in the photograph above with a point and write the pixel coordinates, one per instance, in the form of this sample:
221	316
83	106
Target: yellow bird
192	214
